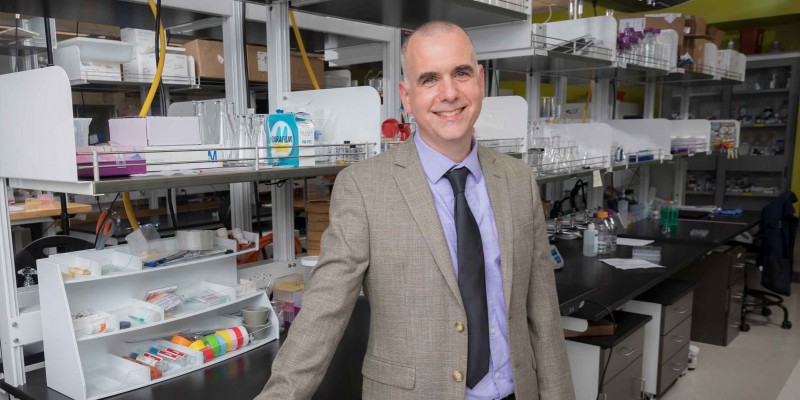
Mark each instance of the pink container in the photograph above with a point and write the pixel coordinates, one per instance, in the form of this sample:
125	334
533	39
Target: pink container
110	164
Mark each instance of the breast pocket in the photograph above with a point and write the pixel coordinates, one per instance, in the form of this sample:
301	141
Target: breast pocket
388	372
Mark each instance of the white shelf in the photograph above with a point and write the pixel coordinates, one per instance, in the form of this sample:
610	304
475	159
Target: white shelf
253	345
174	319
70	358
146	270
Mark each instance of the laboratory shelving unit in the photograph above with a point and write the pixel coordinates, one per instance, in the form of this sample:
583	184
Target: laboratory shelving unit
766	150
24	326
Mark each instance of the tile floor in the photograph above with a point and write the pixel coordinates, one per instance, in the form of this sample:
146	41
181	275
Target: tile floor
762	364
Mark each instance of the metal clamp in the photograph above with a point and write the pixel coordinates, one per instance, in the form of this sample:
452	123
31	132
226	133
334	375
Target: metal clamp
643	381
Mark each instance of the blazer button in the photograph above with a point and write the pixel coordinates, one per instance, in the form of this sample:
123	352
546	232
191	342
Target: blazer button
459	326
458	376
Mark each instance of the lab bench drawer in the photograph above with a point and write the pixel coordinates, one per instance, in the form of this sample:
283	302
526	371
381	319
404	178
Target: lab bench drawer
674	314
623	354
628	384
672	369
675	339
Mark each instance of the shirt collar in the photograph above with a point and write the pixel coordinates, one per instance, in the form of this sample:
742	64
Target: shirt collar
436	164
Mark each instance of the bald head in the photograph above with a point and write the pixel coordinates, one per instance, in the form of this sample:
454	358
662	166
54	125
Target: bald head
427	30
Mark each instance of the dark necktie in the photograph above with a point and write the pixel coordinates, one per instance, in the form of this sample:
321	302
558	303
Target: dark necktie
471	280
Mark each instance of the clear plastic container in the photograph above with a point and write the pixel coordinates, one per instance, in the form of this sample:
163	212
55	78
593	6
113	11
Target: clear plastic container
606	235
590	241
622	206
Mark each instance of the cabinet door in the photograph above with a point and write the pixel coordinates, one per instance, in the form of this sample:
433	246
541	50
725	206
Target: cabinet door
623	355
671	369
628	384
674	314
675	339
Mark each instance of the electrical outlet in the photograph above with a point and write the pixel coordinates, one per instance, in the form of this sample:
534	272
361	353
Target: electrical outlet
264	274
257	274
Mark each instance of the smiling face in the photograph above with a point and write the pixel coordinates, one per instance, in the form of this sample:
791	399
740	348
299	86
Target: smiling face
443	89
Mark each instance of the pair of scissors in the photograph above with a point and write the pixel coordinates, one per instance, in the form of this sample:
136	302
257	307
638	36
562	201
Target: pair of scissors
105	229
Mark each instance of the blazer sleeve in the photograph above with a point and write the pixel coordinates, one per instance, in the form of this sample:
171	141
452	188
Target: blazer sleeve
544	318
328	301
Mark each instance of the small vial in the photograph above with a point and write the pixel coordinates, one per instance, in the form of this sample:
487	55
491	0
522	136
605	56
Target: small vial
169	356
152	361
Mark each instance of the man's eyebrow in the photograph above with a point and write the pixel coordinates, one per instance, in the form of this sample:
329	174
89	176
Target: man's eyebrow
425	76
464	68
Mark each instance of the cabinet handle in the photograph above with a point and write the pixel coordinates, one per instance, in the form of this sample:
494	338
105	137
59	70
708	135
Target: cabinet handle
734	325
679	366
679	339
738	265
681	310
738	296
631	351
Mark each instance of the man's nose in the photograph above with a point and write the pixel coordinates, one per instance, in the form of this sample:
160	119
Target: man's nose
448	91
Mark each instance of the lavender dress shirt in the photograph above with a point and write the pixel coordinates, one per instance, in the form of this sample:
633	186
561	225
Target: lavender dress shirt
499	382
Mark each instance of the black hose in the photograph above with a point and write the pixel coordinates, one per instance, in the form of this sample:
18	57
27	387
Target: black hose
246	68
171	209
47	38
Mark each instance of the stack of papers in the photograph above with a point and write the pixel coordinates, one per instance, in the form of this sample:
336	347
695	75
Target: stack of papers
632	242
629	263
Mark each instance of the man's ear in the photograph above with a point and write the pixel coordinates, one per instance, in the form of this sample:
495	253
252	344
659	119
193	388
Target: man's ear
482	79
404	97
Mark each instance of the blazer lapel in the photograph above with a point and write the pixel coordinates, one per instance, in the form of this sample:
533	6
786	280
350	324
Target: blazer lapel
414	187
497	184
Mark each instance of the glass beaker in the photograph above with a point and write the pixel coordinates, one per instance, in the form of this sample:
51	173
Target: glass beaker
225	128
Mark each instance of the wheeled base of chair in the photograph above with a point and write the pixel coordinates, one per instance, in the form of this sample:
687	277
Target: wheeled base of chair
764	300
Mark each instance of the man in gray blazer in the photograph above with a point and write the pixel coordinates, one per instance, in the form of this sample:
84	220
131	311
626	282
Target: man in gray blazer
448	240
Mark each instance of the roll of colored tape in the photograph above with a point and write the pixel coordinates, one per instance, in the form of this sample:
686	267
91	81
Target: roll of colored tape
223	344
213	343
238	335
230	341
197	345
245	335
180	340
208	354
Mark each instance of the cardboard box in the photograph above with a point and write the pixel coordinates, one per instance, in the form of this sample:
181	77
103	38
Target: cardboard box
695	25
256	63
596	328
717	35
695	46
300	78
209	57
155	131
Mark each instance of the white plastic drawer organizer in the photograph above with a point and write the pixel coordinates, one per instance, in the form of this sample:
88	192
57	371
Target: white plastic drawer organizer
107	321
